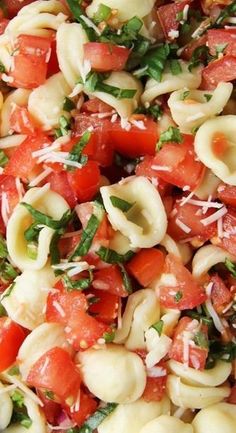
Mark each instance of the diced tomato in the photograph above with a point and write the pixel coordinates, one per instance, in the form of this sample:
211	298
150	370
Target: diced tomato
186	294
56	372
22	163
191	216
135	142
83	330
63	304
191	46
105	307
50	408
95	105
146	265
8	187
85	181
106	57
232	398
12	336
84	212
167	16
227	194
223	69
155	386
220	294
87	407
20	121
228	241
33	45
222	37
3	24
144	168
179	162
110	279
60	184
196	355
14	6
53	65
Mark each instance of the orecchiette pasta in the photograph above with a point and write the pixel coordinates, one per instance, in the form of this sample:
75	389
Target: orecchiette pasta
125	10
113	374
120	243
39	341
131	417
157	347
183	251
45	201
170	319
46	102
167	424
27	300
19	97
207	257
194	110
217	418
145	223
171	82
208	185
122	80
142	310
223	166
36	416
6	407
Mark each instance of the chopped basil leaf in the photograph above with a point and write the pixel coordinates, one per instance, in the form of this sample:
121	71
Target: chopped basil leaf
207	96
231	267
218	350
3	159
220	48
64	127
184	95
93	300
121	204
2	311
77	11
200	339
154	110
68	104
109	336
111	256
178	296
96	419
3	248
49	395
76	152
7	272
26	421
180	16
175	67
94	82
155	61
32	233
46	220
82	284
14	371
17	399
158	327
228	11
53	248
2	67
171	134
8	292
200	55
126	279
103	13
199	316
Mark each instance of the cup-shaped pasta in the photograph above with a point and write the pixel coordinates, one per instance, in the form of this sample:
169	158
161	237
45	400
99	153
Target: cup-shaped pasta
170	319
183	251
37	7
217	418
212	377
46	201
113	374
125	10
194	397
142	310
145	223
26	302
157	347
208	185
19	97
38	425
207	257
195	109
120	243
6	407
70	52
46	101
170	82
39	341
209	136
167	424
131	417
122	80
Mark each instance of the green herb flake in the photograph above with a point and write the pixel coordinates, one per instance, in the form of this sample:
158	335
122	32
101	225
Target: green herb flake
64	127
121	204
76	152
111	256
46	220
93	300
155	61
207	96
200	339
26	422
3	159
178	296
220	48
77	12
8	292
96	419
95	82
68	104
184	95
200	55
81	284
180	16
2	311
103	14
49	395
158	326
7	272
126	279
3	248
172	134
2	68
175	67
14	371
231	267
17	399
109	336
228	11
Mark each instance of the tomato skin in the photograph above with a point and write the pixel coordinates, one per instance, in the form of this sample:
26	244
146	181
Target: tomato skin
106	309
14	6
85	181
220	294
191	293
12	336
70	303
229	223
191	46
222	36
88	405
106	57
83	330
20	121
95	105
146	265
223	69
8	186
144	168
197	355
53	365
50	408
227	194
110	279
53	65
155	386
167	16
60	184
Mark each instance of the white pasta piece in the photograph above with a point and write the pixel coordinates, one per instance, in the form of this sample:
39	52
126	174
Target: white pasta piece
6	408
157	347
225	166
70	52
122	80
183	251
170	82
46	201
193	111
38	420
141	311
194	397
217	418
113	374
207	257
167	424
170	319
46	101
120	243
27	301
19	97
125	10
12	141
40	340
212	377
51	6
145	224
208	185
6	51
131	417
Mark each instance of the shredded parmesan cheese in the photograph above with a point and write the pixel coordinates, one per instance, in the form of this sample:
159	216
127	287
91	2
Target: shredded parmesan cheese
214	217
183	226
